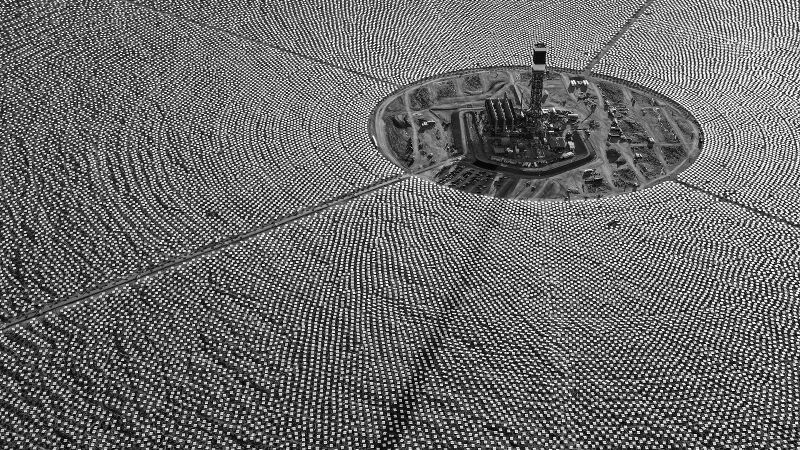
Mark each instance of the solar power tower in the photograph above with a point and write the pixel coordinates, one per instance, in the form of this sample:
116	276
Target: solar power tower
537	78
537	82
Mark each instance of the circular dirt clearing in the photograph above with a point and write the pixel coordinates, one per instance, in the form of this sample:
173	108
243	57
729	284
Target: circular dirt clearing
480	131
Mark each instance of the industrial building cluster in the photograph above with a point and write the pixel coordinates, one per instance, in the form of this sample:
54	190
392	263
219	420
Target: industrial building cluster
525	135
506	119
